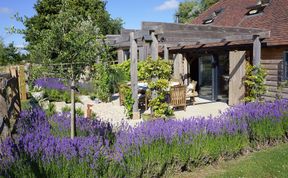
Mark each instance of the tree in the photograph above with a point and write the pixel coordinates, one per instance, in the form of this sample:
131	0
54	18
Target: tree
68	35
205	4
2	53
189	9
49	10
10	54
71	43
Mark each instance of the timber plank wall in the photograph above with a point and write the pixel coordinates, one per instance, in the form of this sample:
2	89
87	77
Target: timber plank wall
10	105
272	61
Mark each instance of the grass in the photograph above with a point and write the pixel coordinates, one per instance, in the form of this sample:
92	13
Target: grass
272	162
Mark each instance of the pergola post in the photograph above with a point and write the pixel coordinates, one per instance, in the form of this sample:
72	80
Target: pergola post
154	54
177	66
141	53
120	56
154	47
185	70
166	52
134	77
256	50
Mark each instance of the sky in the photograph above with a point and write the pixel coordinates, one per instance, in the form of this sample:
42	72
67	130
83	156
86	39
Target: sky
133	12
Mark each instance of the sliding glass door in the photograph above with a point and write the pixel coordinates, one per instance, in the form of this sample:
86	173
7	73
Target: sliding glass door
206	77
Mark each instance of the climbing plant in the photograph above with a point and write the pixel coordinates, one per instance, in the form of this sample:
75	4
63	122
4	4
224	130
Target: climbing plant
254	83
161	71
147	70
128	99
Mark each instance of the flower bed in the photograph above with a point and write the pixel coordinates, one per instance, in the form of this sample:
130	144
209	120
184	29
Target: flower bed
42	146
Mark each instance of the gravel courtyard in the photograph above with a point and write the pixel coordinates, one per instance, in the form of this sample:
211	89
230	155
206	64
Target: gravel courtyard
114	113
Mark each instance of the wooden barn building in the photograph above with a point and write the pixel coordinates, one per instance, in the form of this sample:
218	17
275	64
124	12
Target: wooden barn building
214	48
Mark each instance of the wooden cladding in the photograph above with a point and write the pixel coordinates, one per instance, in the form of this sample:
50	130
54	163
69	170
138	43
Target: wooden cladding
272	62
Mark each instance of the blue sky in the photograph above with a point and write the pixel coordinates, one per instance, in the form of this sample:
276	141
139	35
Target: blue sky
133	12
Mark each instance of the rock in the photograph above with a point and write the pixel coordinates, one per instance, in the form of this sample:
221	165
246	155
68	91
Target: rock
38	95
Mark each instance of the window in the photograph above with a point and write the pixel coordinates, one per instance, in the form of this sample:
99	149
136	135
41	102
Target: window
208	21
285	67
258	8
212	17
255	10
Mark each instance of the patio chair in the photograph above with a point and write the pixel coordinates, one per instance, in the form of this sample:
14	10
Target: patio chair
178	96
191	92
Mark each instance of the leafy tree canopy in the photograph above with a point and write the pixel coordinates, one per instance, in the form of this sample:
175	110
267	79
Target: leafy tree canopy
72	42
47	11
10	54
2	52
189	9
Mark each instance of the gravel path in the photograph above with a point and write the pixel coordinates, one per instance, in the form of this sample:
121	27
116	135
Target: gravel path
115	114
108	112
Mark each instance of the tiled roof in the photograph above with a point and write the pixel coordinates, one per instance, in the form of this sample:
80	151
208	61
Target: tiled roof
273	18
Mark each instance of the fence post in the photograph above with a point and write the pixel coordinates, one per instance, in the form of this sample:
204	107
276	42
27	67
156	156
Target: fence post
22	83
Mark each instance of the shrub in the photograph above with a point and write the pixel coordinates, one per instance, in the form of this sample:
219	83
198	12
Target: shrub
66	109
254	83
148	70
79	112
157	73
45	151
106	79
101	82
151	149
128	100
57	95
51	110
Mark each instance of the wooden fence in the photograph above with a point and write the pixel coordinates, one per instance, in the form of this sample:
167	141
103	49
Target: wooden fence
10	103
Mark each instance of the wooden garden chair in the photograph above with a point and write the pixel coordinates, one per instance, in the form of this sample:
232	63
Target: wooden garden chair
178	96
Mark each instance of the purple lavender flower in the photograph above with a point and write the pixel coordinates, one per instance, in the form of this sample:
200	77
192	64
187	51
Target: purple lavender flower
51	83
36	137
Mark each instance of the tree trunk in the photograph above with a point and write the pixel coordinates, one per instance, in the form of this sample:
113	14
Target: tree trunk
73	123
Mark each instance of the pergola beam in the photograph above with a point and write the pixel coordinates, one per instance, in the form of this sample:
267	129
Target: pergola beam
162	27
204	41
180	35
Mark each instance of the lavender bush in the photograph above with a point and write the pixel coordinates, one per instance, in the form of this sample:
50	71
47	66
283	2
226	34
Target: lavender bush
152	149
56	89
37	146
51	83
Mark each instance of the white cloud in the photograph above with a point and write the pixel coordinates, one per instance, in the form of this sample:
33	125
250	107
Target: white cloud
168	5
5	10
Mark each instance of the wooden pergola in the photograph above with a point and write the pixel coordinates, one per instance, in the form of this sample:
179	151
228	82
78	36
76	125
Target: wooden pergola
156	36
